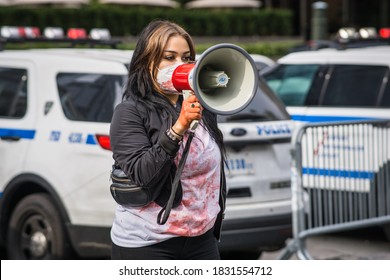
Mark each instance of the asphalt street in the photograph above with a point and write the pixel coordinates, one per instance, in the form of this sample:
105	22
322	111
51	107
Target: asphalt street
368	244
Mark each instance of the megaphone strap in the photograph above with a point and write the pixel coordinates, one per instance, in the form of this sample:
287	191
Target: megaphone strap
164	213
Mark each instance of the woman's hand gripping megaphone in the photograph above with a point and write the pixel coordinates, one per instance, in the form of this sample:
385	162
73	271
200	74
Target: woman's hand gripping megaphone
190	114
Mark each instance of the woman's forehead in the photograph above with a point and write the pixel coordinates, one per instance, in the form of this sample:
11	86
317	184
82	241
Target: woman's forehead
177	44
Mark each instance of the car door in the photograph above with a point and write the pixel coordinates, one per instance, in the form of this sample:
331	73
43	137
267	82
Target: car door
74	135
17	115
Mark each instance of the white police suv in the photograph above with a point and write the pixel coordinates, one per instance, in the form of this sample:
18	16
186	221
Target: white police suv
55	112
334	84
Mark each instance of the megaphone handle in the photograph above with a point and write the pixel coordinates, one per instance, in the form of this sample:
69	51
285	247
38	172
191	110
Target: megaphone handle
194	123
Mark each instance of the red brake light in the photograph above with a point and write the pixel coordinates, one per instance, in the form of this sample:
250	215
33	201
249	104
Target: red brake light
104	141
77	33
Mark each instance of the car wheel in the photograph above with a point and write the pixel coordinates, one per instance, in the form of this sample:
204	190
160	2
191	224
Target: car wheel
241	255
36	230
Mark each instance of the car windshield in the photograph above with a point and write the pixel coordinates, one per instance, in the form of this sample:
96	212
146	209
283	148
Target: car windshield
265	106
292	82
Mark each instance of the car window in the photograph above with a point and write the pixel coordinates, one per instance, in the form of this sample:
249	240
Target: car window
13	92
265	106
354	85
89	97
292	83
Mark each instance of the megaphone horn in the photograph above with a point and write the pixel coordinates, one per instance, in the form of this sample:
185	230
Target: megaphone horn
224	79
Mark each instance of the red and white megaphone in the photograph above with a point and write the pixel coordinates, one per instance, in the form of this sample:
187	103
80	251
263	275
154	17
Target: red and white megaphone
224	79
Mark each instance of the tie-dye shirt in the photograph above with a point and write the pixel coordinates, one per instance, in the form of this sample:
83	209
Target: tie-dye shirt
198	210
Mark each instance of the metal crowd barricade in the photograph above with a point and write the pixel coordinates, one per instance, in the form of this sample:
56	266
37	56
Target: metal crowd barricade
340	180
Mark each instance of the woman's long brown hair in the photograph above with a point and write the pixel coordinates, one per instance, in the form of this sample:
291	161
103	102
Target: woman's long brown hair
142	83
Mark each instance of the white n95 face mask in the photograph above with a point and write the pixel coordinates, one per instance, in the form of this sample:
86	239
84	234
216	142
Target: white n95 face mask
164	78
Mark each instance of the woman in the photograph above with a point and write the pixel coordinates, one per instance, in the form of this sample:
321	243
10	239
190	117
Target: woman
148	133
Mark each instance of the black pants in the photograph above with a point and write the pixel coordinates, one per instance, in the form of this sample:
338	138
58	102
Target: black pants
204	247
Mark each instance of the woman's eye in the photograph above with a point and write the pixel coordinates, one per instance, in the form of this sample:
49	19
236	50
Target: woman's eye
186	59
170	58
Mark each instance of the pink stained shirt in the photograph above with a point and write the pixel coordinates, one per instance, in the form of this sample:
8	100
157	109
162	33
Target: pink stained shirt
198	210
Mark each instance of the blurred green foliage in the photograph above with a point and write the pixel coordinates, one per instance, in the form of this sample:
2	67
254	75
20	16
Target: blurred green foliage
127	22
271	48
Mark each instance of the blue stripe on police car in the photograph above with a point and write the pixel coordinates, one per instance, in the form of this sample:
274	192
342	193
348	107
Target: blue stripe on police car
20	133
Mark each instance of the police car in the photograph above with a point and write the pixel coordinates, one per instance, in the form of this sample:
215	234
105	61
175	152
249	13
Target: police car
335	84
55	112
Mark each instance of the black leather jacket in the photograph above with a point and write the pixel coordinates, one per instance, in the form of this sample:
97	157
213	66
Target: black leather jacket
146	154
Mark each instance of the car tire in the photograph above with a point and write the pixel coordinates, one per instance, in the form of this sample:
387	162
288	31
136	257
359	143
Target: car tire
36	230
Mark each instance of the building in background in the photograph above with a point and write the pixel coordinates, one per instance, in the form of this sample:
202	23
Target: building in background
341	13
